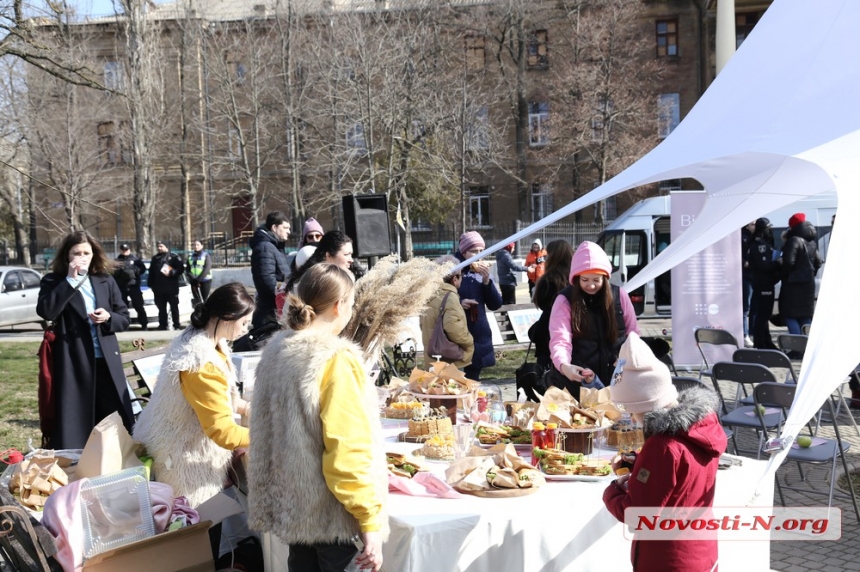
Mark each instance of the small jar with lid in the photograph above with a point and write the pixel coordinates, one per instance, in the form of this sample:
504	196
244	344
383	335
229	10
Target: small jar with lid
551	435
538	440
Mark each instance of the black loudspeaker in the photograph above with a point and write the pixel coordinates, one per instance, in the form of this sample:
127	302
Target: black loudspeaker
366	220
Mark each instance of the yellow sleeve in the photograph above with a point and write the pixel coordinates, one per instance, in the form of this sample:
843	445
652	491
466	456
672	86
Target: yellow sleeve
206	392
347	458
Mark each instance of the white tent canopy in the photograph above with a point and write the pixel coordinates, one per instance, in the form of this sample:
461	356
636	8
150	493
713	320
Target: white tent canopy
781	122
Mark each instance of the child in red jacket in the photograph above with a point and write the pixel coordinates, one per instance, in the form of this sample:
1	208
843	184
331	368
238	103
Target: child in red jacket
677	466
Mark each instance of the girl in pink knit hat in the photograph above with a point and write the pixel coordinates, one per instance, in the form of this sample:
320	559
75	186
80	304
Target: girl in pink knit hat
590	320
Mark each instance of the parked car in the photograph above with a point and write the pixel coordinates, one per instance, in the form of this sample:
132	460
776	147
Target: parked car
186	300
19	293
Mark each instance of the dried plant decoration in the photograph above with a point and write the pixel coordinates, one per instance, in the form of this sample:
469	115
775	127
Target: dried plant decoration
390	293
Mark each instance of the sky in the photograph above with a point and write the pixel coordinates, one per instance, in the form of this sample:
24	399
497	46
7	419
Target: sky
97	7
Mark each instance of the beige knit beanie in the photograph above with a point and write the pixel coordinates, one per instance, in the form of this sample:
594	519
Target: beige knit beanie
645	383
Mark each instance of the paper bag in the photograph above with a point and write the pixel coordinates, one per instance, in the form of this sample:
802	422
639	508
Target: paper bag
599	400
556	402
109	449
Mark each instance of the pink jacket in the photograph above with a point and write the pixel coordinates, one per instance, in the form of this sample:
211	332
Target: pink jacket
561	337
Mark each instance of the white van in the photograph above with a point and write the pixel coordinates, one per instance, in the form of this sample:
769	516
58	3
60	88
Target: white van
643	231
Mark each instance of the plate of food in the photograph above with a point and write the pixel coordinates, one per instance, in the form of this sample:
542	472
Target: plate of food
490	435
561	465
580	478
402	466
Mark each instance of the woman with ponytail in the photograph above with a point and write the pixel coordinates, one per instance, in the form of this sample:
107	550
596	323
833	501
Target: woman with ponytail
188	426
318	475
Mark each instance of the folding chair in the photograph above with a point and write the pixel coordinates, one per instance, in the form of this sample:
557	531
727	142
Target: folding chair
744	415
711	337
782	395
804	329
796	344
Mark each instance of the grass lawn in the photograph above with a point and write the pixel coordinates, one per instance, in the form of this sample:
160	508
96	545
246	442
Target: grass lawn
19	383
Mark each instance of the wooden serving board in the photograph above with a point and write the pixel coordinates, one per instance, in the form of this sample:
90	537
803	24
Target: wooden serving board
501	493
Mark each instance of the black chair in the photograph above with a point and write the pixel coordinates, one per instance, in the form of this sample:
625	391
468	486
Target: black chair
794	345
782	395
744	415
804	329
706	337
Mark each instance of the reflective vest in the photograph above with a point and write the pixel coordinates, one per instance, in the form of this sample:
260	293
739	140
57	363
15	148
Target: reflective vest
197	263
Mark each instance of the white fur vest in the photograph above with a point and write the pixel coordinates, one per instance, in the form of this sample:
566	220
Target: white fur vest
288	495
183	456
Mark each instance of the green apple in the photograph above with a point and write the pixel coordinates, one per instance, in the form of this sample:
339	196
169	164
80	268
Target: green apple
760	410
804	441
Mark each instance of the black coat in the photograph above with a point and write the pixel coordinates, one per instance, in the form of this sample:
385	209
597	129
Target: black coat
797	299
268	267
764	270
159	283
74	383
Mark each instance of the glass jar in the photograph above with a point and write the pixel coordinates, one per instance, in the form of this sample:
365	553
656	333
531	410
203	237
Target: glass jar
538	440
549	442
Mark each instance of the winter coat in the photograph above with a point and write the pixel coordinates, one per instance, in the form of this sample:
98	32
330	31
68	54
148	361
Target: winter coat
592	351
74	381
539	260
453	322
677	467
488	297
268	267
764	270
158	282
289	494
182	455
797	299
506	268
129	272
544	296
746	243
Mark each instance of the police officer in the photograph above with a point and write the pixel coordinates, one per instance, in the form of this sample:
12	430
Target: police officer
764	270
127	276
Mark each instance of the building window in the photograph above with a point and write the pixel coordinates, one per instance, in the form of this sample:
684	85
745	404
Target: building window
538	54
355	141
109	150
602	119
475	53
541	200
479	206
241	73
668	113
234	147
667	38
538	123
744	24
126	154
478	130
113	75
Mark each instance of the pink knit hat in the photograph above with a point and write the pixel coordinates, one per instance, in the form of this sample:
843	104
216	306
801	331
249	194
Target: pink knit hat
311	225
469	240
645	383
589	257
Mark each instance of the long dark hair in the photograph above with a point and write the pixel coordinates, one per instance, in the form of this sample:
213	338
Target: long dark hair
557	267
579	322
331	243
100	263
229	302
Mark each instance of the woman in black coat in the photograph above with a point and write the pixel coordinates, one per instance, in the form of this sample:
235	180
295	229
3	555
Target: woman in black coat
800	263
82	299
553	281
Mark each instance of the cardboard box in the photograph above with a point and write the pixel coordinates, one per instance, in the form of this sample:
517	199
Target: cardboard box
184	550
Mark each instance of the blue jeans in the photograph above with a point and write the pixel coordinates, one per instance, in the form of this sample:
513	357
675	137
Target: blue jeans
747	298
794	324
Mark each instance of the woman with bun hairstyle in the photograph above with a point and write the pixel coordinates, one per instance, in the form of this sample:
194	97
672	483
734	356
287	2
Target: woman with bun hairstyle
318	474
477	294
187	426
590	320
83	300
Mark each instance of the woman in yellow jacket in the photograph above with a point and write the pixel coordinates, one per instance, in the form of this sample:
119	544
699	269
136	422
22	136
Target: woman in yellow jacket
453	319
188	426
318	475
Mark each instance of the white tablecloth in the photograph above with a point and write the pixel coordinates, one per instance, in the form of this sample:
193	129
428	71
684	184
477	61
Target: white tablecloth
563	526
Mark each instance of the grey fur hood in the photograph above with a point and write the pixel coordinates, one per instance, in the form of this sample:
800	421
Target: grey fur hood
692	420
